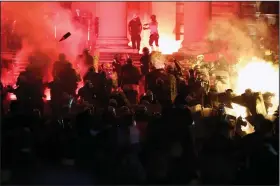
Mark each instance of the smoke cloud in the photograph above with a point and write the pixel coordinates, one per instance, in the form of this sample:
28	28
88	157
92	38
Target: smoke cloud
41	25
234	35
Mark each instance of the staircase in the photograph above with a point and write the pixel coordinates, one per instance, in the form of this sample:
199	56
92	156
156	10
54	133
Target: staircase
17	65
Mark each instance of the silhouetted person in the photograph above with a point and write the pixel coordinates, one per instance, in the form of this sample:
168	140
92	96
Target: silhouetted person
135	28
99	84
3	97
153	27
130	77
145	61
162	84
69	79
59	66
249	99
117	68
87	59
130	74
87	92
226	97
30	90
56	93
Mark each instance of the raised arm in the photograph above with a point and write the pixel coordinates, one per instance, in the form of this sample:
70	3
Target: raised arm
146	26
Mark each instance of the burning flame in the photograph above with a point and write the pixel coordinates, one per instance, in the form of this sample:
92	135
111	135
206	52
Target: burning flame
259	76
12	96
47	93
248	129
167	45
239	110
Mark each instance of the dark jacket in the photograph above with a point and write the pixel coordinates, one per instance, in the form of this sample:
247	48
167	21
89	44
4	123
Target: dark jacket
129	75
162	84
145	64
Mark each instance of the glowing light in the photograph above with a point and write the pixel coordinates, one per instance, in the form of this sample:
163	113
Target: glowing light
259	76
239	110
80	85
12	96
167	45
47	93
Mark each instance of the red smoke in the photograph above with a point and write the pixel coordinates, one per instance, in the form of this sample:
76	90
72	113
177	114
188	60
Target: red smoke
41	25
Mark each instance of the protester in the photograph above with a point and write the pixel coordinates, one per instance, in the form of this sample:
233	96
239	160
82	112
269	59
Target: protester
101	136
135	28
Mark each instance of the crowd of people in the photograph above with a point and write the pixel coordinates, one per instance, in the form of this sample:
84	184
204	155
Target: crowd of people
108	133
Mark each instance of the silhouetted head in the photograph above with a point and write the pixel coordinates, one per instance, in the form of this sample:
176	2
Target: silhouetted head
61	57
129	61
229	92
91	69
150	95
32	59
221	110
85	51
191	71
153	17
159	82
145	51
89	84
248	92
113	103
135	16
69	66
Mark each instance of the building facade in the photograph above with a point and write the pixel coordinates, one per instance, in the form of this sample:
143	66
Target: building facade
186	21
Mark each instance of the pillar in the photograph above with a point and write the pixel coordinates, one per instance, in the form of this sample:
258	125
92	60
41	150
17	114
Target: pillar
166	16
196	22
132	8
112	26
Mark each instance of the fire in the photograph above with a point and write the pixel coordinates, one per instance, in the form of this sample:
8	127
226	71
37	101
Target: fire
80	85
239	110
47	93
259	76
167	44
12	96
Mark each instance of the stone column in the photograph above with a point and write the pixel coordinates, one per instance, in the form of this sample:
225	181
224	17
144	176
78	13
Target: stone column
196	22
166	13
112	26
